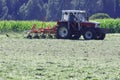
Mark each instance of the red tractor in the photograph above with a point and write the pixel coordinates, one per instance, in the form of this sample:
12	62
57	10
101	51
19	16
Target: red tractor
72	25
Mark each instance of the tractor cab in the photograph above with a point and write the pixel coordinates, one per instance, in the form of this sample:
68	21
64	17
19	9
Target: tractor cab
74	15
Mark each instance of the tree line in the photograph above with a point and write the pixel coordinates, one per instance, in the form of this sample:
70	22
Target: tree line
51	9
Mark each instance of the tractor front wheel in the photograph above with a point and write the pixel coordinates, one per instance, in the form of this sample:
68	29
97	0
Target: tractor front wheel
89	34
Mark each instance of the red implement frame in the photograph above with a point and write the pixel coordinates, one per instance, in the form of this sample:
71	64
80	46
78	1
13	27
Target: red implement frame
47	30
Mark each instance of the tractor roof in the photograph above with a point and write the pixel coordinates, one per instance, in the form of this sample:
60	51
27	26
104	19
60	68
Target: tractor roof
73	11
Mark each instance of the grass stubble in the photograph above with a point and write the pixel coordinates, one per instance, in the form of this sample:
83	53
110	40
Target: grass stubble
55	59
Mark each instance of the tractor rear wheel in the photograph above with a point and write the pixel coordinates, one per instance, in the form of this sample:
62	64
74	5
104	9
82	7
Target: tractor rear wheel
89	34
63	32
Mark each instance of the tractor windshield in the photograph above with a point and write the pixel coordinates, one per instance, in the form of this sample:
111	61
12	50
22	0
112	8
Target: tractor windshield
78	16
81	17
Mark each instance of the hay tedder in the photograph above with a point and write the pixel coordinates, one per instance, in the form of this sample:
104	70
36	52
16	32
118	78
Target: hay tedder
41	32
72	25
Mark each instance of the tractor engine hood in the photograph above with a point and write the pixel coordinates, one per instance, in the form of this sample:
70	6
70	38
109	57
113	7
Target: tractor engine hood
90	24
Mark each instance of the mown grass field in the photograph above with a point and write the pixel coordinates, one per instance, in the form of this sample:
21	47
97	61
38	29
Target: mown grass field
53	59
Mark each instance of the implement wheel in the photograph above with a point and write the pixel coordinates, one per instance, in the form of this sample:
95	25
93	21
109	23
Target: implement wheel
36	36
43	36
29	36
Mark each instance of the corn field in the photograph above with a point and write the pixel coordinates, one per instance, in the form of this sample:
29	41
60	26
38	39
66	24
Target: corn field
16	26
6	26
112	24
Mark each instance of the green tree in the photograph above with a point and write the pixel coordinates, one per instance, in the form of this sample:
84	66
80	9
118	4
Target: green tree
4	10
32	10
38	9
108	7
13	7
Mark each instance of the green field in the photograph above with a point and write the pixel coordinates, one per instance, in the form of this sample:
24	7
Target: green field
53	59
7	26
112	24
18	26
